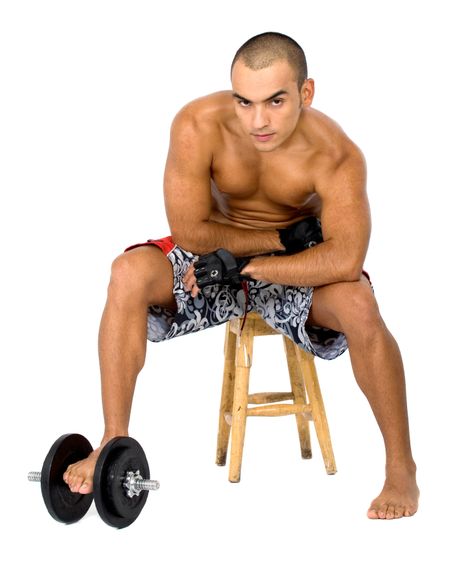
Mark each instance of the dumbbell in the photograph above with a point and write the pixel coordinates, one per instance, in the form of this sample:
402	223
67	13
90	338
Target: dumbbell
121	480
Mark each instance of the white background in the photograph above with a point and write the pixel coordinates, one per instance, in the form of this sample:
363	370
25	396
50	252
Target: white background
88	92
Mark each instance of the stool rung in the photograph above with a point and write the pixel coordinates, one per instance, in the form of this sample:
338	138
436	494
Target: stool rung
280	410
270	397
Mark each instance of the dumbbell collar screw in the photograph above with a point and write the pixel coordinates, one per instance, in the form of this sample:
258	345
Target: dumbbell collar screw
135	483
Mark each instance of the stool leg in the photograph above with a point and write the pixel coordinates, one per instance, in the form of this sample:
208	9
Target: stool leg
244	352
226	401
298	390
318	410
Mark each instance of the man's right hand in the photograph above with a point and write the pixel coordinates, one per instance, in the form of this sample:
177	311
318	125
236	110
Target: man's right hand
301	235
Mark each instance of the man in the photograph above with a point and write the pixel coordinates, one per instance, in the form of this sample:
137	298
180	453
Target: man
246	170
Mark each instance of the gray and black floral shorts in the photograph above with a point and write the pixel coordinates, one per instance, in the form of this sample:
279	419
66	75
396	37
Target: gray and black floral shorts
285	308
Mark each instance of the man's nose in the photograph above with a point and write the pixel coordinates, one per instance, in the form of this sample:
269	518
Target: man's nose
260	118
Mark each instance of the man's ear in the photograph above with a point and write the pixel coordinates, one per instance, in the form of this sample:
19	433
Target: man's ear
307	92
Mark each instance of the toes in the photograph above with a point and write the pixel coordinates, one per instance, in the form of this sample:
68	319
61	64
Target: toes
66	474
76	484
399	511
377	512
382	511
86	488
372	513
67	477
76	479
390	512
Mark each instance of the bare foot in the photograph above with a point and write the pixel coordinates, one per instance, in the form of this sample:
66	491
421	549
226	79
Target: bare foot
399	497
80	476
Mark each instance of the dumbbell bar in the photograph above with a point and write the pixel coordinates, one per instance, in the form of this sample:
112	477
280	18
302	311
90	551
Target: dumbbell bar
134	483
120	490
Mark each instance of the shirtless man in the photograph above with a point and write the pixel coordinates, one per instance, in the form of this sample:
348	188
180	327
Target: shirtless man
243	165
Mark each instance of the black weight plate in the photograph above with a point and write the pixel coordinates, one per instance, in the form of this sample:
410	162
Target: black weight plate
115	507
63	505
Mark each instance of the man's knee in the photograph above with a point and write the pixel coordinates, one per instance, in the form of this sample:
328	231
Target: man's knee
358	313
362	312
143	271
129	269
349	307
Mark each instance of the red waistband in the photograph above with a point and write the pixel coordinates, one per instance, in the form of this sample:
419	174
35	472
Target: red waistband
166	244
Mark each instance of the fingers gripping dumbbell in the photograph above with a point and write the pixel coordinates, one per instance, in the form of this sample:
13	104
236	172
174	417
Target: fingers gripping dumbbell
120	483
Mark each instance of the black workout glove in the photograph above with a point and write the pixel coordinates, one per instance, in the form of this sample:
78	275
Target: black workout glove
300	236
220	267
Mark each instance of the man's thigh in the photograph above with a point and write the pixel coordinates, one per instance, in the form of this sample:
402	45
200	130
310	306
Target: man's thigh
334	305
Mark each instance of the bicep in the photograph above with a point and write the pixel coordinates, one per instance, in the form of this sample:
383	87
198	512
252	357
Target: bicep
345	212
187	188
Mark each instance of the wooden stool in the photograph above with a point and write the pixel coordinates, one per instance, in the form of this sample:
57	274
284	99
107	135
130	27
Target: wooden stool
235	398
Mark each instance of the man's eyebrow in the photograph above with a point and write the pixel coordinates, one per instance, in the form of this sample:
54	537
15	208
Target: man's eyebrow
278	93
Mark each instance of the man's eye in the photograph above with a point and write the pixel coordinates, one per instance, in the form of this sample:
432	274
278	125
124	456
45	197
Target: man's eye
277	102
244	103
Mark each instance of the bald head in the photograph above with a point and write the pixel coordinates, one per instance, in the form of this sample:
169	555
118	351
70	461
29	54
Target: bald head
262	50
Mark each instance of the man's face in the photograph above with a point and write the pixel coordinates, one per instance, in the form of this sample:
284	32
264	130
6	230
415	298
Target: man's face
267	102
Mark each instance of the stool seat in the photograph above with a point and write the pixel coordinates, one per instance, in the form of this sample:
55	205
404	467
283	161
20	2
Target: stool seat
307	403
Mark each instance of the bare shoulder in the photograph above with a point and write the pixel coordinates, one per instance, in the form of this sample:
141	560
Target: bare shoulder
335	149
205	115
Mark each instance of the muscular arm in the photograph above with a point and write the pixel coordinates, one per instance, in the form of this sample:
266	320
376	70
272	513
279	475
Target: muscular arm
187	194
346	231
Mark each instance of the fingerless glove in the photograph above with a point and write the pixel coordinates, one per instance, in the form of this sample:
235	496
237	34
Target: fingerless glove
220	267
300	236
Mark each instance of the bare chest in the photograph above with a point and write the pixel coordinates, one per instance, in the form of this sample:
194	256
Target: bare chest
261	190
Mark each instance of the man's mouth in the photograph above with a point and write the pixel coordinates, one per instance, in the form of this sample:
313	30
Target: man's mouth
262	138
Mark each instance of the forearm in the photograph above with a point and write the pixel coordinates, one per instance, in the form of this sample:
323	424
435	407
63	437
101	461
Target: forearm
210	236
320	265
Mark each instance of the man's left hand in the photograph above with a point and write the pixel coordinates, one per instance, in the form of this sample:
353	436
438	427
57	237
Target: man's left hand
215	268
219	268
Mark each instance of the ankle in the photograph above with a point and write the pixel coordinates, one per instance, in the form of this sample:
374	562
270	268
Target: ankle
110	434
397	466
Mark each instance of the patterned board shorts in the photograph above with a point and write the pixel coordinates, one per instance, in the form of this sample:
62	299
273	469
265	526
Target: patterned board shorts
285	308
